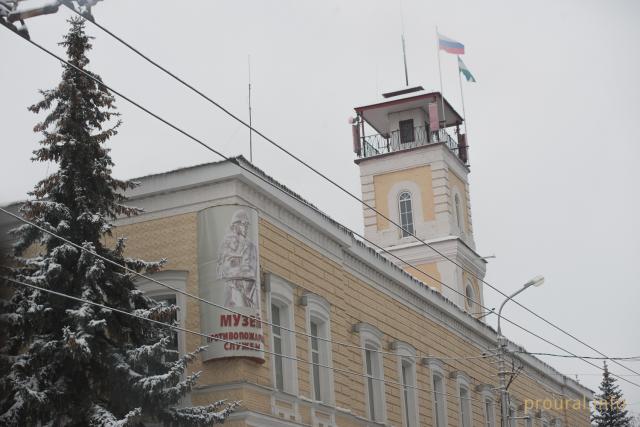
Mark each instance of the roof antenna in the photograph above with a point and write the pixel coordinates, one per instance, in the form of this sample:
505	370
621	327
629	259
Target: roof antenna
250	126
404	50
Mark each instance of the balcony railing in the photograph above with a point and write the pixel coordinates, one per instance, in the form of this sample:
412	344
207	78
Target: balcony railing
375	145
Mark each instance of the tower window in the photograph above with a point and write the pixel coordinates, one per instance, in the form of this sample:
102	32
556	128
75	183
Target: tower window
458	212
406	214
406	131
470	296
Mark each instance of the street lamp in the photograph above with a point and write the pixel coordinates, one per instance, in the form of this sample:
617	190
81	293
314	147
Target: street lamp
536	281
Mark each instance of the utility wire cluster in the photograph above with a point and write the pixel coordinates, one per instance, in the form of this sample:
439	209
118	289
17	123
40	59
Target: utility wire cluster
344	190
570	354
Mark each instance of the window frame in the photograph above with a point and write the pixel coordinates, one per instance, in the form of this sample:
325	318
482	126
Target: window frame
439	404
318	310
465	410
281	295
457	208
178	280
409	226
410	132
486	392
409	396
470	301
371	343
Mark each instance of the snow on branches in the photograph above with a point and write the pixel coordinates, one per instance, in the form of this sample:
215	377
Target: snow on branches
65	361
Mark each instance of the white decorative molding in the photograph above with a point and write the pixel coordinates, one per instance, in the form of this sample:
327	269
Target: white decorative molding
281	294
371	340
369	332
318	309
409	397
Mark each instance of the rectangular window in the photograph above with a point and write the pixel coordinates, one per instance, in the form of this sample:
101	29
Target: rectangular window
173	355
277	346
409	392
465	409
406	393
406	131
368	354
438	400
489	414
315	359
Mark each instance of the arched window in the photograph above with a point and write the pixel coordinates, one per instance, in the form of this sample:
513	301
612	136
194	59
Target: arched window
406	213
470	296
458	212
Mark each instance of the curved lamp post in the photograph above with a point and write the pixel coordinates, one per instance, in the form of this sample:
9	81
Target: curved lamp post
536	281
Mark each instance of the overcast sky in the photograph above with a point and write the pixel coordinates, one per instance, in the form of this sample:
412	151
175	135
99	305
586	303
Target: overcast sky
552	126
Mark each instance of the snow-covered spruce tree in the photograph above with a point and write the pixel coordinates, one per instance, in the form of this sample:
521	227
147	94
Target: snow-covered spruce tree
67	363
609	405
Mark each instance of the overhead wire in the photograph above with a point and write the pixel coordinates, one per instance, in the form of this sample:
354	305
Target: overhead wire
272	184
629	358
229	309
334	183
179	328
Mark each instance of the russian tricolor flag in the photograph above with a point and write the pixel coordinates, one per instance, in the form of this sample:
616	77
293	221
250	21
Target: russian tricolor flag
450	45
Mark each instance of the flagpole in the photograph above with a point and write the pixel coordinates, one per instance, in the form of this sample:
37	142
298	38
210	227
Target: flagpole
444	118
464	114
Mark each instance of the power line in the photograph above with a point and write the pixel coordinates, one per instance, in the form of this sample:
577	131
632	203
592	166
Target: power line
179	328
334	183
630	358
592	374
284	191
231	310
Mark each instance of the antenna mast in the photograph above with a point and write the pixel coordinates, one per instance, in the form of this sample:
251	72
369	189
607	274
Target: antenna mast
404	56
404	50
250	125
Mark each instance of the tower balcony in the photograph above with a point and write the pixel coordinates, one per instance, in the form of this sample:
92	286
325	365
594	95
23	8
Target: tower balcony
407	139
408	119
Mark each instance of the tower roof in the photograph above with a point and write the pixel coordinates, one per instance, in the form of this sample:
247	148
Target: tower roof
376	115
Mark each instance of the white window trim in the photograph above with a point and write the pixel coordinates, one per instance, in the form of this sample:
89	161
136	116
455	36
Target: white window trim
458	214
318	308
407	353
470	304
370	336
281	293
486	392
176	279
399	202
463	381
436	368
393	203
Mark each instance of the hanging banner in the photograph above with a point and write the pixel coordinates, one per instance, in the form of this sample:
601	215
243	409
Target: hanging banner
229	275
434	120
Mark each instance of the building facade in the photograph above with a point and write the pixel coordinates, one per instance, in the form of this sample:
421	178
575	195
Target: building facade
312	327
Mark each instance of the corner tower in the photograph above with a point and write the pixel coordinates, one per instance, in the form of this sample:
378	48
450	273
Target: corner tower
414	169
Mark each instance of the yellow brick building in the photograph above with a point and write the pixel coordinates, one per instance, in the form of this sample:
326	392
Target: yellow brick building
394	347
